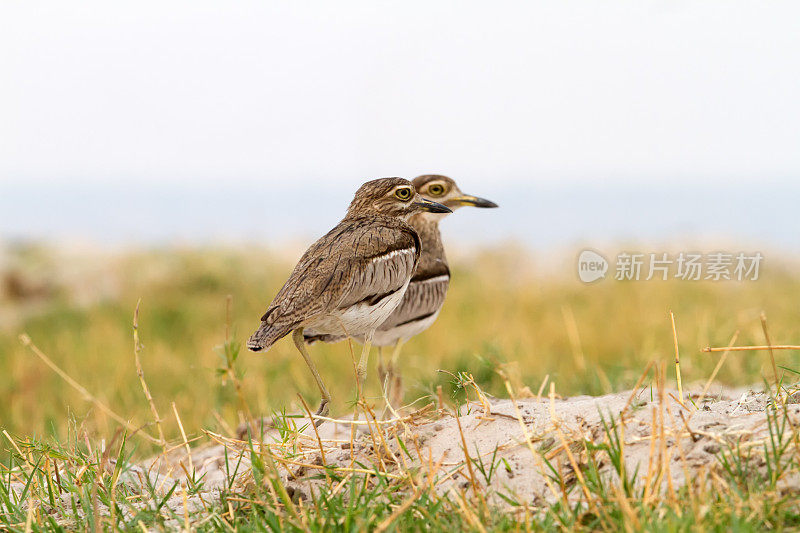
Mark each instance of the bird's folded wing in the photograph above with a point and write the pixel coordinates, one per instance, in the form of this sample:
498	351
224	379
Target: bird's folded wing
380	275
423	299
352	263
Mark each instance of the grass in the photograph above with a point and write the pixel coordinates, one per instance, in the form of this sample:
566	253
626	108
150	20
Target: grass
501	314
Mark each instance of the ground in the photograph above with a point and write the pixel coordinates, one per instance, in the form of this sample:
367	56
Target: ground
522	457
80	396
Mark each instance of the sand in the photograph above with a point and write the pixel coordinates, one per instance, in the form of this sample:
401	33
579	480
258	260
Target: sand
692	440
507	442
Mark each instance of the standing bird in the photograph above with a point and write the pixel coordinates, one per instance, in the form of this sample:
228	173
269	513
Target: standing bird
350	281
424	298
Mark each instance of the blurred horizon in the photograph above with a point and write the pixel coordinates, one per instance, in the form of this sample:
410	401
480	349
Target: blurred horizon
540	218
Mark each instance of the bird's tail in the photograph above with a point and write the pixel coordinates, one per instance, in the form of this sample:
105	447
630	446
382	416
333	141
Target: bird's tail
263	338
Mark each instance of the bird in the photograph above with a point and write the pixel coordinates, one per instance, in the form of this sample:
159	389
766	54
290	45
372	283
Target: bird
424	298
351	279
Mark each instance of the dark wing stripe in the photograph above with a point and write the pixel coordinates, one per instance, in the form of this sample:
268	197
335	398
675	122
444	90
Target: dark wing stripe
420	301
430	274
415	319
374	299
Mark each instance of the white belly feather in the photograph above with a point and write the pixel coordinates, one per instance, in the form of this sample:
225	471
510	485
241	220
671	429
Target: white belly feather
357	320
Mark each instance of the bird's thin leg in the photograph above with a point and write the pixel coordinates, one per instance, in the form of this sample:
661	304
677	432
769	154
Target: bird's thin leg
383	375
361	374
393	380
381	366
324	404
361	369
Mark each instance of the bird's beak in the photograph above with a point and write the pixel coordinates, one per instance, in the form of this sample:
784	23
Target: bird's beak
472	200
431	207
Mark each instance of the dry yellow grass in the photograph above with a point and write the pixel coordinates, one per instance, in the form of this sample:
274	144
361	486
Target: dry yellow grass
589	339
77	364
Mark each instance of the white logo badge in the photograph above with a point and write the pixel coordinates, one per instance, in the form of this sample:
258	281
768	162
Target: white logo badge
591	266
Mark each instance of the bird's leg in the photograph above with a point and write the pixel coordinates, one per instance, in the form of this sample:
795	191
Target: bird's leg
381	367
393	380
324	404
361	374
383	375
361	369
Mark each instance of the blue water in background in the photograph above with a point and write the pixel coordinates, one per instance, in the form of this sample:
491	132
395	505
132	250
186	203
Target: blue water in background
538	217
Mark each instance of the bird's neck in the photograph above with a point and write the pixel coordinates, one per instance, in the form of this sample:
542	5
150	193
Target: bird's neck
374	215
433	256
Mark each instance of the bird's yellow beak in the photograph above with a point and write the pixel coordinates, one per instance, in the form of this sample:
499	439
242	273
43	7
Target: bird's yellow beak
431	207
471	200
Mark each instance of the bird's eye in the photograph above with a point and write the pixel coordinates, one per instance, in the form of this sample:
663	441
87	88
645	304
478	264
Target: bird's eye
403	193
436	190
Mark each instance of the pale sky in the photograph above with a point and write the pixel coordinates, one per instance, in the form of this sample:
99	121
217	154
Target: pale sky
164	121
197	92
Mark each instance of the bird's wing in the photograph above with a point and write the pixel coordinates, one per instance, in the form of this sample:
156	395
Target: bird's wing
384	257
424	298
357	260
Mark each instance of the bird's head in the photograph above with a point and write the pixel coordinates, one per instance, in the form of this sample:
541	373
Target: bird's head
394	197
444	190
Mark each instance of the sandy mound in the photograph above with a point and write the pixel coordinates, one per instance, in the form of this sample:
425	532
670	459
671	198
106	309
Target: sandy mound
524	454
513	447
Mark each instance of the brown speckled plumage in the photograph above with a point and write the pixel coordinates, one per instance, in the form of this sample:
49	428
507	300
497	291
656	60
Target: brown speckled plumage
366	259
427	289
